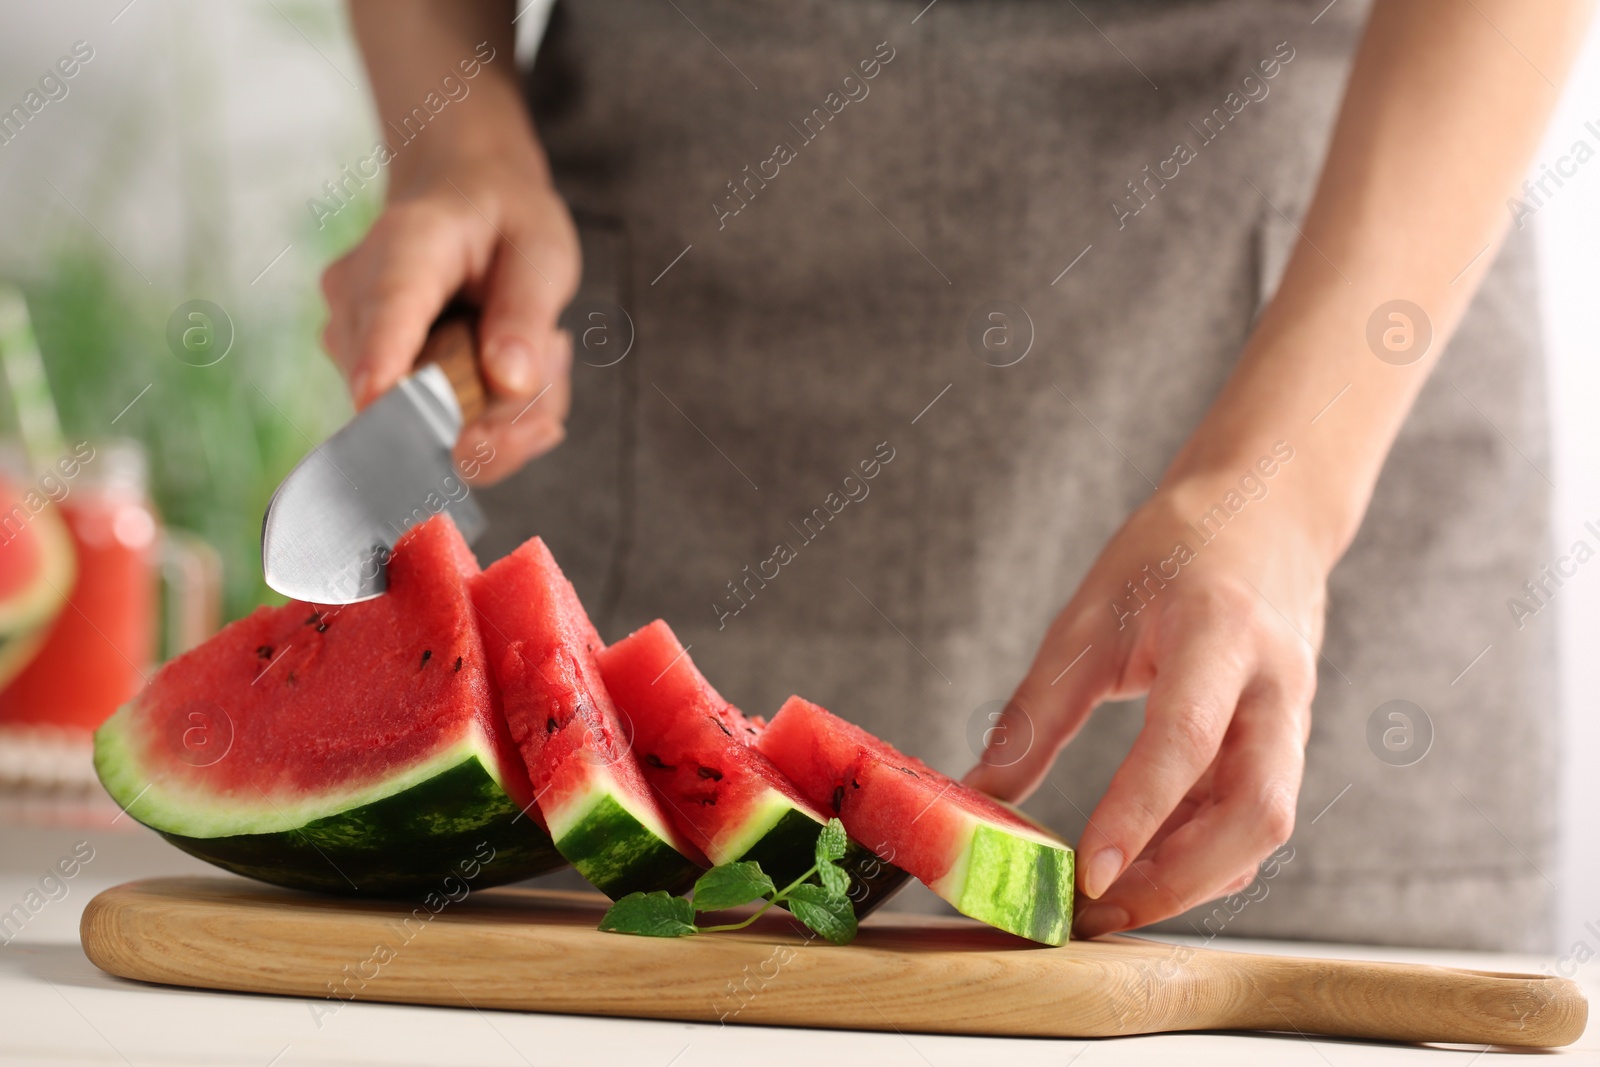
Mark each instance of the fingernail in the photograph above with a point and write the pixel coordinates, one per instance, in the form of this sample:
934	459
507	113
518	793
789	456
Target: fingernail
1100	919
1101	870
510	364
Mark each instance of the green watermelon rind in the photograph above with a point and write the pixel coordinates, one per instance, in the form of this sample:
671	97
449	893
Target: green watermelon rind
26	614
618	850
457	824
188	812
782	838
1021	883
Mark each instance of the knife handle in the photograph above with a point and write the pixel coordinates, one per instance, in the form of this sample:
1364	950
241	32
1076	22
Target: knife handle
452	344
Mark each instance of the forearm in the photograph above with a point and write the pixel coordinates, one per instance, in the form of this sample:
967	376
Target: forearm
410	46
1446	104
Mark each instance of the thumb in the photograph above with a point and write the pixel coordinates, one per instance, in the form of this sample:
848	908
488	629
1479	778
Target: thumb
521	353
1064	684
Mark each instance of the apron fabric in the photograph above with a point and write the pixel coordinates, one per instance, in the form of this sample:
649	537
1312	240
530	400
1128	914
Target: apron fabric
807	372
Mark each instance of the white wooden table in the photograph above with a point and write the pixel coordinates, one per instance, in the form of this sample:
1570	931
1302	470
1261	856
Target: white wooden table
57	1008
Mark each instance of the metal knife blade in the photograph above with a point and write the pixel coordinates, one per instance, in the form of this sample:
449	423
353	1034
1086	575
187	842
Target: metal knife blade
328	529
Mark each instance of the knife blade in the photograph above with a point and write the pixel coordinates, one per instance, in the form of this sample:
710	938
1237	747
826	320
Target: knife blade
328	530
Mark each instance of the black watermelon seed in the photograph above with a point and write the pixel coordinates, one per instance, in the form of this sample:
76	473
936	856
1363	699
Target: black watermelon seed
749	729
720	726
550	726
710	772
264	652
909	771
315	616
457	667
838	798
854	784
427	654
655	761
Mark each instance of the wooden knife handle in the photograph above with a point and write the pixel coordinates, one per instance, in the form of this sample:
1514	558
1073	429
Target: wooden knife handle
1389	1001
453	345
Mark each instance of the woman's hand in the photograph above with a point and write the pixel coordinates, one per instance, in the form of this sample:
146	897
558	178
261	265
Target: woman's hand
489	226
1220	626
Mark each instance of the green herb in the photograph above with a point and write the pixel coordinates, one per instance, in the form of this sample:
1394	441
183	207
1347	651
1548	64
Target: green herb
824	905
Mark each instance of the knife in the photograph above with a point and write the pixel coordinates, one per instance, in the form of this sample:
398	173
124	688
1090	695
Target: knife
329	528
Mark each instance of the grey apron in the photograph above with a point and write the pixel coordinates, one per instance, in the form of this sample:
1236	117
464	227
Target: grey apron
809	445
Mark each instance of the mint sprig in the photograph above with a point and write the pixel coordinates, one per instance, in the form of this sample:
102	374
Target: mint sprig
823	906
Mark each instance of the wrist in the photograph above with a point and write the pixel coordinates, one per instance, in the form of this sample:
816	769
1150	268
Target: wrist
488	131
1284	486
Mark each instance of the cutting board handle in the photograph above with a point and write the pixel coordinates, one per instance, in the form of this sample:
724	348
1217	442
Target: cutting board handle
1404	1001
452	344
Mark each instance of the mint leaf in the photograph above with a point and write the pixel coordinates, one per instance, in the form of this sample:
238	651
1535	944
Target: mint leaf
834	880
831	842
829	915
731	885
657	914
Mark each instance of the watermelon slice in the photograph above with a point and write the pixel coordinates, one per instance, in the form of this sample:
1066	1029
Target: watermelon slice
37	567
981	856
356	749
601	812
721	793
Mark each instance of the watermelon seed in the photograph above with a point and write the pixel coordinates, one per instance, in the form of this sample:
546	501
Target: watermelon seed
550	725
710	772
427	654
838	798
655	761
854	784
315	616
911	772
264	652
720	726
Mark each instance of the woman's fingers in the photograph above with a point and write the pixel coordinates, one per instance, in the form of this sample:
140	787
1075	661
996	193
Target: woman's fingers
1250	813
1062	687
385	294
514	430
1201	668
532	278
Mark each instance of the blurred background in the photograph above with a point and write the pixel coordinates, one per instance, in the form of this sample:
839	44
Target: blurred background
159	317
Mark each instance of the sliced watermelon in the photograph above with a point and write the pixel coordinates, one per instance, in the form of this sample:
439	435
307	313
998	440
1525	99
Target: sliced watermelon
724	795
981	856
600	810
356	749
37	568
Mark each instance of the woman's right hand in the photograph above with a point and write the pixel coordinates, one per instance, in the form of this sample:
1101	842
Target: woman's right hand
490	227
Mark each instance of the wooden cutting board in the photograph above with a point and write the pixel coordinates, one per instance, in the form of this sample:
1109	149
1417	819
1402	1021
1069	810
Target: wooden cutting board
537	950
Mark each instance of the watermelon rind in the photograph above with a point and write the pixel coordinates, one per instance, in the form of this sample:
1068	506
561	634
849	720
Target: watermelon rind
393	835
459	823
1021	884
25	615
618	848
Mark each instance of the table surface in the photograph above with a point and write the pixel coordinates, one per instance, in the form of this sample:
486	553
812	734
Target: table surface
58	1008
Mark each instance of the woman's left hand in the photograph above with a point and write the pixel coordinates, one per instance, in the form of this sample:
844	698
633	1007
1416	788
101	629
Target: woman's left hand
1222	634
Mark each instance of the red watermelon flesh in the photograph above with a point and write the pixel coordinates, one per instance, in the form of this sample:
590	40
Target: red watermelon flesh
365	737
981	856
601	812
692	744
319	697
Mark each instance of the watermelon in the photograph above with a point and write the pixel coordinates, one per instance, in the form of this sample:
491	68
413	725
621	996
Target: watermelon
721	793
37	568
987	860
601	812
355	750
